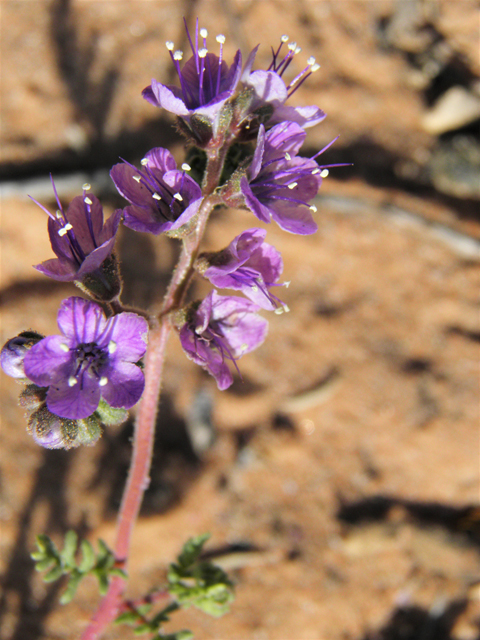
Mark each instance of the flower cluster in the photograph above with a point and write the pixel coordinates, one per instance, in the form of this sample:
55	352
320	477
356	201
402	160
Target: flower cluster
91	372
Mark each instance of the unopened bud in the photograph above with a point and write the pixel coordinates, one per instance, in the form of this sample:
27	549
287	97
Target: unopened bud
13	353
104	284
51	431
32	397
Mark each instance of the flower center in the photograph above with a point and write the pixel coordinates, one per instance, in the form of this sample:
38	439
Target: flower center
89	357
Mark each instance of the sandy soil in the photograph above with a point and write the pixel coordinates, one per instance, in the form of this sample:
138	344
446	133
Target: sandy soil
339	480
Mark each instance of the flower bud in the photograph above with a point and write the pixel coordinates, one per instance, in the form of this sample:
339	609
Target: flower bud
50	431
32	397
13	353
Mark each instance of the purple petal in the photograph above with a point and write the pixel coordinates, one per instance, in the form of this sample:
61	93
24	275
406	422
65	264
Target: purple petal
268	86
76	402
77	215
125	384
141	219
81	320
133	191
167	100
294	218
63	270
148	94
161	159
256	207
249	64
205	356
60	244
256	164
93	261
129	332
47	360
287	137
110	227
304	116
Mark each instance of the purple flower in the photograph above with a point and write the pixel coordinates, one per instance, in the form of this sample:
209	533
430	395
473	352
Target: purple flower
279	184
79	238
93	358
270	90
206	81
162	197
221	328
249	265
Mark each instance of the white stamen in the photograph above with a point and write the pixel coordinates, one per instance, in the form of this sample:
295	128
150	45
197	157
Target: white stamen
144	162
58	214
244	347
178	197
292	185
313	208
178	55
254	287
103	381
220	38
61	232
324	173
286	308
186	167
86	186
112	346
279	311
292	46
311	61
203	33
87	201
136	178
288	156
284	38
314	67
287	284
202	53
198	330
72	381
170	46
68	226
156	196
297	50
64	347
315	171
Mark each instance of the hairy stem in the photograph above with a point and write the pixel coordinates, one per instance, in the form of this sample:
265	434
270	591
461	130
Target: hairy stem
138	477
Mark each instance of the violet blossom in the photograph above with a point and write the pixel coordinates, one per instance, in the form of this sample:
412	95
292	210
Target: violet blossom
79	238
270	91
221	329
206	82
249	265
162	197
94	358
279	184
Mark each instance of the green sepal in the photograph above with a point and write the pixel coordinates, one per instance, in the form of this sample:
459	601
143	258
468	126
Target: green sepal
89	430
74	581
110	415
127	617
67	555
54	574
88	557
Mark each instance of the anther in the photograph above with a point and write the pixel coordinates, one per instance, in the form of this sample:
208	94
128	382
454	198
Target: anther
288	156
254	287
292	46
202	53
314	67
203	33
284	38
156	196
297	50
313	208
220	38
72	381
178	197
144	162
286	308
137	178
170	46
315	171
58	214
64	347
186	167
112	346
87	200
311	61
324	173
103	381
287	284
61	232
178	55
279	311
86	186
292	185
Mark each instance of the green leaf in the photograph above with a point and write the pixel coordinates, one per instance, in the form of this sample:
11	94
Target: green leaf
102	583
120	573
191	550
128	617
53	574
88	557
143	628
69	549
72	585
46	563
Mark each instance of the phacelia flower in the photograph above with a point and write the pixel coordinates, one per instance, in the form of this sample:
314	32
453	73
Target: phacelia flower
79	238
279	184
270	91
206	82
162	197
94	358
249	265
221	329
13	353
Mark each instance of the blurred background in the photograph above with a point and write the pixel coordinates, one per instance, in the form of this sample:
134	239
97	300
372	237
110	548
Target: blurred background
339	480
